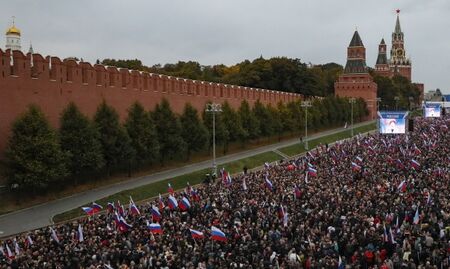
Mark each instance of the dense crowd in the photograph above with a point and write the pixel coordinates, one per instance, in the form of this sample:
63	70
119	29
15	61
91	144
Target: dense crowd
375	201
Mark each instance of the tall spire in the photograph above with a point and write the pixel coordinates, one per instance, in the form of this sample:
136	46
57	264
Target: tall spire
356	40
398	29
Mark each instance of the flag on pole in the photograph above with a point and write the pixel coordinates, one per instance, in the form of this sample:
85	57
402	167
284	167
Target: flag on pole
16	247
123	225
156	215
416	216
133	208
96	207
80	233
226	178
356	167
306	177
9	253
244	185
285	219
53	235
88	210
161	202
297	192
184	204
173	203
196	234
194	194
170	189
341	264
402	186
155	228
415	164
268	183
110	207
218	235
312	171
29	241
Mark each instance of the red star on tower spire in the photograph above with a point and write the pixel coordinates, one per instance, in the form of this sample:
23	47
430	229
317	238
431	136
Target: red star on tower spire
398	11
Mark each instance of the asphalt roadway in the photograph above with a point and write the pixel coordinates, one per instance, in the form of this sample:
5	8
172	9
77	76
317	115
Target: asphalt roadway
41	215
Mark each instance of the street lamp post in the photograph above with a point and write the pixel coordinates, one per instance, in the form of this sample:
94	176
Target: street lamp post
214	108
352	101
411	101
378	109
306	104
396	98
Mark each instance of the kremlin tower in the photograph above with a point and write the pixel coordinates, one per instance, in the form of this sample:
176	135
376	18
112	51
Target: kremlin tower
398	62
356	80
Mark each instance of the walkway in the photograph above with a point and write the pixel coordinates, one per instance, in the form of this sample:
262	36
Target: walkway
41	215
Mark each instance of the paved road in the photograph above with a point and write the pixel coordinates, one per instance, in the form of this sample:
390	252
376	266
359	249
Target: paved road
41	215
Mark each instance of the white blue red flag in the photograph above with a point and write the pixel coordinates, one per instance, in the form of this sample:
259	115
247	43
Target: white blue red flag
133	208
312	171
88	210
218	235
80	233
173	203
96	207
268	183
170	189
184	204
196	234
161	203
156	215
415	164
155	228
416	216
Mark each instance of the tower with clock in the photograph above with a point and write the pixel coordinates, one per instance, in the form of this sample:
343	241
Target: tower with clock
398	62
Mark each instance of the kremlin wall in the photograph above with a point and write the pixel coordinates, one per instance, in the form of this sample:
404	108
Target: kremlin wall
52	83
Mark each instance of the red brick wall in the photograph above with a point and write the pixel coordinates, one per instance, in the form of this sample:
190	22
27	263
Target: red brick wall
358	86
51	84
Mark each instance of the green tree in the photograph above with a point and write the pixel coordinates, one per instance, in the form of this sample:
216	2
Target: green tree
286	116
193	131
232	124
80	139
168	127
250	123
265	119
142	132
277	121
116	144
34	157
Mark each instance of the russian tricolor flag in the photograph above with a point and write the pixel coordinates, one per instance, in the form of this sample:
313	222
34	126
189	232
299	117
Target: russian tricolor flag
196	234
218	235
297	192
156	215
195	196
123	225
173	203
356	167
416	217
268	183
312	171
155	228
161	203
359	159
169	188
110	206
96	207
415	164
184	204
88	210
226	178
133	208
402	186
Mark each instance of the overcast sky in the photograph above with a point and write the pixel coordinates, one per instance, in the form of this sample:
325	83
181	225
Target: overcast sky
230	31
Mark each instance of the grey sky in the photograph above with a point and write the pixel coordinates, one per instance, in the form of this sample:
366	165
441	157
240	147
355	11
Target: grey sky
229	31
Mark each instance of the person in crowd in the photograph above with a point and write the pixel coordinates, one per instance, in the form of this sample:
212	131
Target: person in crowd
374	201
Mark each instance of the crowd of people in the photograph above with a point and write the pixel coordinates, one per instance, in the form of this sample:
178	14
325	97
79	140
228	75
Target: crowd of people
373	201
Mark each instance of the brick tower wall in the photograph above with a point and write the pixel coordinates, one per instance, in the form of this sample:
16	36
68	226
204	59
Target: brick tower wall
52	83
358	86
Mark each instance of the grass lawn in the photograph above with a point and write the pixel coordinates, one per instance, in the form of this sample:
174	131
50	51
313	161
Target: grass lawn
153	189
299	148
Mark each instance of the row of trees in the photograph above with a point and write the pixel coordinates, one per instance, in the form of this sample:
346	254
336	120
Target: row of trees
39	156
278	73
399	87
